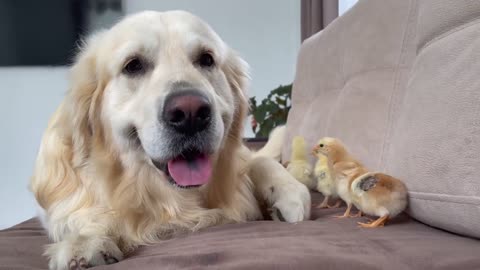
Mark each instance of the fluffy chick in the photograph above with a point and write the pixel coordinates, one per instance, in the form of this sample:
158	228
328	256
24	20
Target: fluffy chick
324	181
380	195
299	166
345	169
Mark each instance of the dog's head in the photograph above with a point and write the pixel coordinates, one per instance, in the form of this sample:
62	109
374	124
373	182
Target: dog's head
163	89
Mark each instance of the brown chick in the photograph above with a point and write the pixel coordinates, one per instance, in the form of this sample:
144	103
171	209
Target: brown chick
344	168
379	194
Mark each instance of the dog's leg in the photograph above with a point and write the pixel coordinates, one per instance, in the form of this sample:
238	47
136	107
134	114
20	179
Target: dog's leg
80	252
86	238
290	200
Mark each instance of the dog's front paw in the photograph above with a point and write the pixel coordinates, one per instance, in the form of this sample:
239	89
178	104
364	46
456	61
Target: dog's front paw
77	264
79	253
292	202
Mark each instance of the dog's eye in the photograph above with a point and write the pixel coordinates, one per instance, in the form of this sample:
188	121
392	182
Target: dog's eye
206	60
134	66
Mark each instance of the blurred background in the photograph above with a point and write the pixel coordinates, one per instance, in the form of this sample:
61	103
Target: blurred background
38	40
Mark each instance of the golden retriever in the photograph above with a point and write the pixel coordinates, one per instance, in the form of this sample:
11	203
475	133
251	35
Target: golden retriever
147	144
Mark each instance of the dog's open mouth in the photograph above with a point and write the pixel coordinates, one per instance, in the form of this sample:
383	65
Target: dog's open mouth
189	169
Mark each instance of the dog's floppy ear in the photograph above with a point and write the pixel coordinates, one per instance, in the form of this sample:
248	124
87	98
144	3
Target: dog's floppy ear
227	167
237	73
66	143
82	101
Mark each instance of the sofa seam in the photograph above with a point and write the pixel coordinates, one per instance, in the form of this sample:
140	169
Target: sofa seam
418	196
438	200
342	74
356	74
450	32
393	98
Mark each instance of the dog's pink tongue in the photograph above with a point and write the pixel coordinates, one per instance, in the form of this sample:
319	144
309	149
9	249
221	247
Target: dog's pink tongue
192	172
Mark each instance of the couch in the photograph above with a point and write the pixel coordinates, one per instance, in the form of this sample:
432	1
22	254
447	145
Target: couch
399	82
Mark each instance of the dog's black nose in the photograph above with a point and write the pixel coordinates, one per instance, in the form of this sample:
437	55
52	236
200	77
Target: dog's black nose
187	112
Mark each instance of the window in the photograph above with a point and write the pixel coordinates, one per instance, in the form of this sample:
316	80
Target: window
344	5
37	33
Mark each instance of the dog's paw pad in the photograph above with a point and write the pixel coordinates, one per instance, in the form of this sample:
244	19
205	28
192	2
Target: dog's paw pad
77	264
277	214
108	258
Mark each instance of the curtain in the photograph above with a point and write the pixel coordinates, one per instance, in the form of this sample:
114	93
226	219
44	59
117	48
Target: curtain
316	15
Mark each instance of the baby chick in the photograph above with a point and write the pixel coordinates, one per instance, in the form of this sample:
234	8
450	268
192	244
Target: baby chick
345	169
299	166
380	195
324	181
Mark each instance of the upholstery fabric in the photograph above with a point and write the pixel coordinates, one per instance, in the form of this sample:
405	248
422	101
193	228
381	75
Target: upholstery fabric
436	144
323	243
398	83
347	75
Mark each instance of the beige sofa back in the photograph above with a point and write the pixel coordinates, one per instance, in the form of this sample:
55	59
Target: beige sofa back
399	83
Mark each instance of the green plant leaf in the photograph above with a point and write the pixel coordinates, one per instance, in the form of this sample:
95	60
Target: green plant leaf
272	110
281	101
260	114
253	102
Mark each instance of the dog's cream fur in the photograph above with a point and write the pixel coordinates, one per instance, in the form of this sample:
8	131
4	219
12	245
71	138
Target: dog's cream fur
101	196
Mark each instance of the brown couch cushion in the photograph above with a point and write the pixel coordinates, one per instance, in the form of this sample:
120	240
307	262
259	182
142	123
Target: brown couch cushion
323	243
436	144
347	75
398	82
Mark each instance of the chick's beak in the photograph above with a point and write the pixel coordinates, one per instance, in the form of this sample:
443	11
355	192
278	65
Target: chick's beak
314	150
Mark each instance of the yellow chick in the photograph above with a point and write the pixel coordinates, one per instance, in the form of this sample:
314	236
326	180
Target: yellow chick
299	166
344	168
379	194
324	181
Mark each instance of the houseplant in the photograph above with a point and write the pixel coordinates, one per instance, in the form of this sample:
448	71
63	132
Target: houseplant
272	111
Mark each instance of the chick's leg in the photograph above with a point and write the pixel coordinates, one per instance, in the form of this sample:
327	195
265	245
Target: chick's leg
358	214
347	211
380	222
336	205
324	203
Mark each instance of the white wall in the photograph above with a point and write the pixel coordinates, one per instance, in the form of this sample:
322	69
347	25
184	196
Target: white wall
266	33
28	96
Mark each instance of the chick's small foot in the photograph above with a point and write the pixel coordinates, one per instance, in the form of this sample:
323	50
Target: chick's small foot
347	212
380	222
358	214
370	220
324	204
370	225
347	216
336	205
321	206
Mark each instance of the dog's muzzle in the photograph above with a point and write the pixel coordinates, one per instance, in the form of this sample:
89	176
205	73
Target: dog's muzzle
187	115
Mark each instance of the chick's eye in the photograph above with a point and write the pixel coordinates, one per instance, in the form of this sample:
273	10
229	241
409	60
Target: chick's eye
134	66
206	60
321	145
